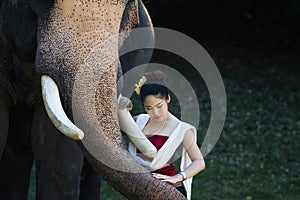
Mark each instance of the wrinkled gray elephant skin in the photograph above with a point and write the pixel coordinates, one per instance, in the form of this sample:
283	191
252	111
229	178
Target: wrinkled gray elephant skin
54	38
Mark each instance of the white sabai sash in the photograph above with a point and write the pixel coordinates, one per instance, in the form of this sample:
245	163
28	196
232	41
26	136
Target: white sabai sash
166	152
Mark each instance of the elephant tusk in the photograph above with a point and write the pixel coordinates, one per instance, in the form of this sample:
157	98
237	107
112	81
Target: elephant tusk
55	110
135	134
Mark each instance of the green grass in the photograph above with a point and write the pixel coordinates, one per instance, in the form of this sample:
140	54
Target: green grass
257	156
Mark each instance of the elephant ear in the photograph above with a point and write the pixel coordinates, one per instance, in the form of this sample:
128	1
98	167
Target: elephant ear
130	18
135	16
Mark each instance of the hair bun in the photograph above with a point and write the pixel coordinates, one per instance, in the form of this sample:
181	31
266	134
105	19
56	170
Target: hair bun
155	77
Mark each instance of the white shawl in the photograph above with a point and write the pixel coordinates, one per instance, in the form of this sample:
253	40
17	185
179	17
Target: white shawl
167	150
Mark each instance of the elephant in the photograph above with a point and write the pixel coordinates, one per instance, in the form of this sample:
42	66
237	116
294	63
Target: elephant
46	44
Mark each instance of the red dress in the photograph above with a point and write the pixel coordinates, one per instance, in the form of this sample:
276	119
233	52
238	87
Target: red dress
158	141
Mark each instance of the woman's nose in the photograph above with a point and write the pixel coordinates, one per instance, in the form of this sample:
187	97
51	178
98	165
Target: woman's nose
155	111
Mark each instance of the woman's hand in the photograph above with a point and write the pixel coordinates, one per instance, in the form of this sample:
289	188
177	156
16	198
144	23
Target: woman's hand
170	179
125	103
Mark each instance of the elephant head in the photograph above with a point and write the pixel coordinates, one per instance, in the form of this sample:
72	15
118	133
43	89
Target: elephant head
77	58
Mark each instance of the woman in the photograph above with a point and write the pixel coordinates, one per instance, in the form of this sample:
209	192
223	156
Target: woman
167	134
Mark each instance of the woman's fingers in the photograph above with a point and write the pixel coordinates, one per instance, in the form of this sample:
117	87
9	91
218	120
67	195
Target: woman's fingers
129	105
165	178
124	103
155	175
159	176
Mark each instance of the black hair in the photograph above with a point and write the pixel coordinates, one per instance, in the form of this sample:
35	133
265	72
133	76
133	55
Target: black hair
155	85
154	89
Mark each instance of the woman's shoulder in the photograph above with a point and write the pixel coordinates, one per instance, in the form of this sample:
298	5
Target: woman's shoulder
183	123
188	124
190	132
187	127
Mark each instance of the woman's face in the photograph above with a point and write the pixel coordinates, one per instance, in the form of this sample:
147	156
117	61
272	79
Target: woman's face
156	107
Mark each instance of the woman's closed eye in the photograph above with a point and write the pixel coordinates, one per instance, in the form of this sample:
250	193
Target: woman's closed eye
149	108
160	105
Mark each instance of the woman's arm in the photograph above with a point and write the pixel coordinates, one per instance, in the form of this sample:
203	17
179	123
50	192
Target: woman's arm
198	164
128	126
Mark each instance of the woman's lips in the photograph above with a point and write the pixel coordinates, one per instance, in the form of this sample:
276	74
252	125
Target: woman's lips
157	118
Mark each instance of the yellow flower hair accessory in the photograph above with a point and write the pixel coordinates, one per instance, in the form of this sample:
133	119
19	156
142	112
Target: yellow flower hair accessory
138	87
